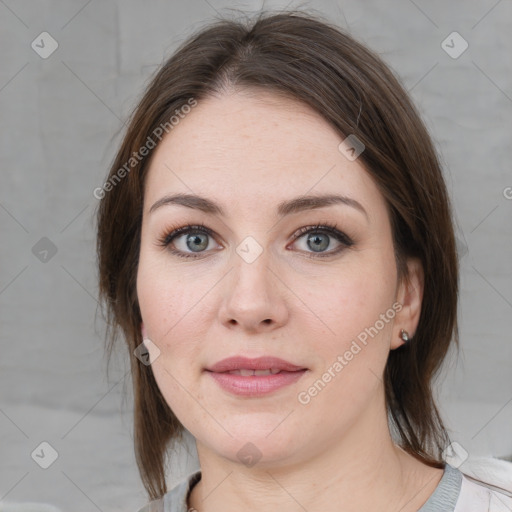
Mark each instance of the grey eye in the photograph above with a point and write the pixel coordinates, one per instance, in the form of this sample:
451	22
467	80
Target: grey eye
197	242
318	241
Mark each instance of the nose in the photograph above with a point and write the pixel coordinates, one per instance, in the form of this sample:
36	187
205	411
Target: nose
254	299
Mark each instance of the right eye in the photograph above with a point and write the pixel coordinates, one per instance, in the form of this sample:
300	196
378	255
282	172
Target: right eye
193	238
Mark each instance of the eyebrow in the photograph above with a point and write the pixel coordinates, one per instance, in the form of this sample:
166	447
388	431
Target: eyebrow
287	207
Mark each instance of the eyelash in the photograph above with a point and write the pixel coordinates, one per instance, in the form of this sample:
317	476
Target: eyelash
326	228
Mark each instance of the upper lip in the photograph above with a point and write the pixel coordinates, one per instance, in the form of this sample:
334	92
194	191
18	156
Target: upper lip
259	363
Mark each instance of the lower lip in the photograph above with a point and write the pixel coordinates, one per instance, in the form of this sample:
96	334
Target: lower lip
255	385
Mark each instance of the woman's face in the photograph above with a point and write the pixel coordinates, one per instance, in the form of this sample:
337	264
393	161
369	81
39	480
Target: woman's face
254	285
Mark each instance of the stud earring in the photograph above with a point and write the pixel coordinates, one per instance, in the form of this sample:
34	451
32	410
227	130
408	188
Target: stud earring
404	335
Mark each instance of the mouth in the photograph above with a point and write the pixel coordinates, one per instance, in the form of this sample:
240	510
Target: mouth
254	377
246	372
267	364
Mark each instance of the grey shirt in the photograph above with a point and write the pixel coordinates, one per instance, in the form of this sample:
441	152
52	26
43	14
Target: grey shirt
443	499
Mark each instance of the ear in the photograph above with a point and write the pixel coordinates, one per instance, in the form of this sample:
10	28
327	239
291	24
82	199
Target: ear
143	330
409	296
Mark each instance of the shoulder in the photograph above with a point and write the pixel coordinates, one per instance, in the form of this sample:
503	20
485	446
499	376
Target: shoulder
486	486
478	496
176	499
153	506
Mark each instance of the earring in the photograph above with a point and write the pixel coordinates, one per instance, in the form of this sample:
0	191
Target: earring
404	335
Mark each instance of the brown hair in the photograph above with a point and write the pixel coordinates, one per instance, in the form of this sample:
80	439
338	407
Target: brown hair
304	57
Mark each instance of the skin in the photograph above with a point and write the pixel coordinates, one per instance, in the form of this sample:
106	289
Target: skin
249	151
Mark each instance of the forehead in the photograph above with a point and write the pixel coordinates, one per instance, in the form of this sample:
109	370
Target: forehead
255	146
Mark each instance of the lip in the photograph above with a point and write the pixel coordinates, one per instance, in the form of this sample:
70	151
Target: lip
254	385
259	363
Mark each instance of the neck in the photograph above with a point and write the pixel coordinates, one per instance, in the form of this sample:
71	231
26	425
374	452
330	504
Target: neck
362	470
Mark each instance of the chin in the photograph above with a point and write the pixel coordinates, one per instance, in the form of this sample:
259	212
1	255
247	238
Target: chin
259	453
266	444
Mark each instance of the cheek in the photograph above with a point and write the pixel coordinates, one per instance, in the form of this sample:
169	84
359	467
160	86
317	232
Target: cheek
173	304
166	302
167	297
173	325
353	352
352	299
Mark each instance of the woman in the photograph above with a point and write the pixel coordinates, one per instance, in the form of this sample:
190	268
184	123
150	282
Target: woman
275	242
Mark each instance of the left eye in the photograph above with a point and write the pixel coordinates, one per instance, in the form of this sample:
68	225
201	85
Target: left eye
190	241
318	239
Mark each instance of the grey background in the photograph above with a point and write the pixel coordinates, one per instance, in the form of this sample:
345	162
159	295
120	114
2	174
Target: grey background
60	122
